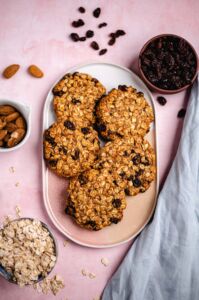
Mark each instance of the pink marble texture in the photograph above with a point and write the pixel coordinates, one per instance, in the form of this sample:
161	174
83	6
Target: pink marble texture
36	32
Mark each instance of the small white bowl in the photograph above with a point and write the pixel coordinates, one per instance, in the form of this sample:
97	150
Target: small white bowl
26	113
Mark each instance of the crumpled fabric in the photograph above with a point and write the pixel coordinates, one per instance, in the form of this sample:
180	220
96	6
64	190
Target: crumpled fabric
163	262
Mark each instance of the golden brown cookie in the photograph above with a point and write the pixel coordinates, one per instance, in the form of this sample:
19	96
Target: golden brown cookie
68	149
95	200
123	112
133	160
76	96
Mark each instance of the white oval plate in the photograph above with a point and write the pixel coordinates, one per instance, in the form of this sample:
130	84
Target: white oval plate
139	208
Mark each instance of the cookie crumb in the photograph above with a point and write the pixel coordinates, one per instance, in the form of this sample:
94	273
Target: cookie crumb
91	275
84	273
12	169
17	184
18	211
105	261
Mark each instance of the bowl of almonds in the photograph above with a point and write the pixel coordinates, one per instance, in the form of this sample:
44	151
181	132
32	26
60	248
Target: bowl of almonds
28	251
14	125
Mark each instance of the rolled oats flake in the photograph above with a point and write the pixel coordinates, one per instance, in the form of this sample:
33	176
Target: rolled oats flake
91	275
105	261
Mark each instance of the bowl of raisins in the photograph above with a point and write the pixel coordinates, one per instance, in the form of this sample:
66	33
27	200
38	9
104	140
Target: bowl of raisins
168	63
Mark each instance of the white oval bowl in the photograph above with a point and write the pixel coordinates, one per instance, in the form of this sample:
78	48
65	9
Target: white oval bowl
24	109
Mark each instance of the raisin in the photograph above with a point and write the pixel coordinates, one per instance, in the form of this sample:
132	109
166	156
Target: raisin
115	182
114	220
91	223
74	37
181	113
65	150
81	10
122	88
102	25
122	174
85	130
101	127
78	23
119	135
136	159
53	162
89	33
76	154
136	182
96	12
50	139
125	153
94	45
161	100
127	192
116	203
70	210
75	101
111	42
69	125
82	179
119	32
102	51
82	39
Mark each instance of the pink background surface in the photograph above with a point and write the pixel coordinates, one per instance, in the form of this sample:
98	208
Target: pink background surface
36	32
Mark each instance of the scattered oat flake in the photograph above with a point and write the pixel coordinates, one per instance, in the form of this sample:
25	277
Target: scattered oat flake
17	184
12	169
65	243
84	273
105	261
91	275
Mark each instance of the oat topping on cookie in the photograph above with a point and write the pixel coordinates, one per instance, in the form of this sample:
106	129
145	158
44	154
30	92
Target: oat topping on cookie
123	112
69	151
95	200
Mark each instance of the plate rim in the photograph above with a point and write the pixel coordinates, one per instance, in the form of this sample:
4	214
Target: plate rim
45	169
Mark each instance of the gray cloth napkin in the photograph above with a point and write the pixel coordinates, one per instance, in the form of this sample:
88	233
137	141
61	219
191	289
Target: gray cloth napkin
163	262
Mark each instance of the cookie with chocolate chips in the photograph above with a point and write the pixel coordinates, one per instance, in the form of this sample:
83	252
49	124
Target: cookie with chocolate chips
70	149
95	200
123	112
75	96
132	159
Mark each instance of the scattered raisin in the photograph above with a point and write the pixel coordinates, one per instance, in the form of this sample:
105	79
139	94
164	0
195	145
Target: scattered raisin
82	39
181	113
136	182
74	37
102	25
96	12
161	100
94	45
119	32
114	220
112	35
69	125
78	23
89	33
102	51
111	41
76	154
116	203
81	10
85	130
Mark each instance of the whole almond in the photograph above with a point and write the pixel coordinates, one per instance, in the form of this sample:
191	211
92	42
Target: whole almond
6	138
1	143
6	110
12	117
11	127
10	71
35	71
2	134
20	122
16	137
2	123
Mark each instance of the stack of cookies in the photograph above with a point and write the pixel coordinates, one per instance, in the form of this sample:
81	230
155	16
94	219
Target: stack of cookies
99	177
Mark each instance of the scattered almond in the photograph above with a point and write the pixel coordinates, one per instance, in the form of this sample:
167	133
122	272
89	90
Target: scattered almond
6	110
2	134
35	71
10	71
12	117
